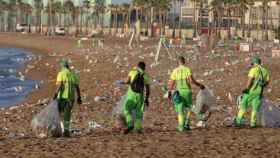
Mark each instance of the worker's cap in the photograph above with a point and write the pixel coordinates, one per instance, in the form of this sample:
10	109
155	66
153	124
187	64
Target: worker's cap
256	60
64	63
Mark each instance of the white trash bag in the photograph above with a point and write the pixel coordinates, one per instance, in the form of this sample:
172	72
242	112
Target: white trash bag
118	109
47	122
269	115
117	113
205	101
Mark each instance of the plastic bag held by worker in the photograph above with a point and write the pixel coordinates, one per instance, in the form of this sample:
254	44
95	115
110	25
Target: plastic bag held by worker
205	101
269	115
118	110
117	114
47	122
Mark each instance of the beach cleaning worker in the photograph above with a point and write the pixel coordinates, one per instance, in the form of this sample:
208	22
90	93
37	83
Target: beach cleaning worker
182	78
67	84
136	101
258	79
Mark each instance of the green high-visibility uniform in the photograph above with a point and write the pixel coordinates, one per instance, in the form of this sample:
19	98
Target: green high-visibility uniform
253	98
66	95
134	106
184	105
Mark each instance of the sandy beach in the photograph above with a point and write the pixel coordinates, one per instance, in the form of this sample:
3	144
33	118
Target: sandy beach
99	69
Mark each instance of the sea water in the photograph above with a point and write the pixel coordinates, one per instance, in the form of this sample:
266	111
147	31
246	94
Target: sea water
14	87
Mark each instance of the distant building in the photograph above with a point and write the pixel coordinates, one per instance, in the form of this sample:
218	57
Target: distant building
253	15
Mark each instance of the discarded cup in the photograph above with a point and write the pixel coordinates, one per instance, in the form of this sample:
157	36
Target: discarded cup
93	125
98	99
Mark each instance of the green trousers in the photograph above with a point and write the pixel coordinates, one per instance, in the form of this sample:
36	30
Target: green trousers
133	110
183	108
253	100
65	110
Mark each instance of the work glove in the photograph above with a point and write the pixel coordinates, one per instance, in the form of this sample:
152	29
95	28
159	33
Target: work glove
245	91
55	96
202	87
169	95
147	102
79	100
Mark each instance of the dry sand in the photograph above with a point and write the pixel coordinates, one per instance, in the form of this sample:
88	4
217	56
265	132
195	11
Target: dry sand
160	139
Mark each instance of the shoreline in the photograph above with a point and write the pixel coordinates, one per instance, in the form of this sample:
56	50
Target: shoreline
35	95
33	75
23	69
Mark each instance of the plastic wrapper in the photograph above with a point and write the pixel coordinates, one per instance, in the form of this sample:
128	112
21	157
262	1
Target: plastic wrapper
48	122
269	115
205	102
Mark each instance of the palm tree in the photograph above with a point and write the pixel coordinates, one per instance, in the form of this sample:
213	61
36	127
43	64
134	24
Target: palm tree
139	5
58	10
243	7
163	7
228	7
250	4
180	18
278	26
174	17
49	9
19	11
38	5
125	9
70	13
217	8
112	9
3	9
195	21
99	11
86	6
265	8
12	9
26	10
76	14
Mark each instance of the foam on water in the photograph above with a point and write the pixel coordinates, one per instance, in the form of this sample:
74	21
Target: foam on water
13	89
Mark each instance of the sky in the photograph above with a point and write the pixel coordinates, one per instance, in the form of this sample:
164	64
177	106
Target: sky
121	1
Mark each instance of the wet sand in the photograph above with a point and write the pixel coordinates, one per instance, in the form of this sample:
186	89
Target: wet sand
98	74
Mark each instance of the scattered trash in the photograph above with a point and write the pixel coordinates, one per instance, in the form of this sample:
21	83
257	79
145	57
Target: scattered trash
93	125
76	131
230	98
275	53
276	41
117	58
99	99
201	124
228	122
